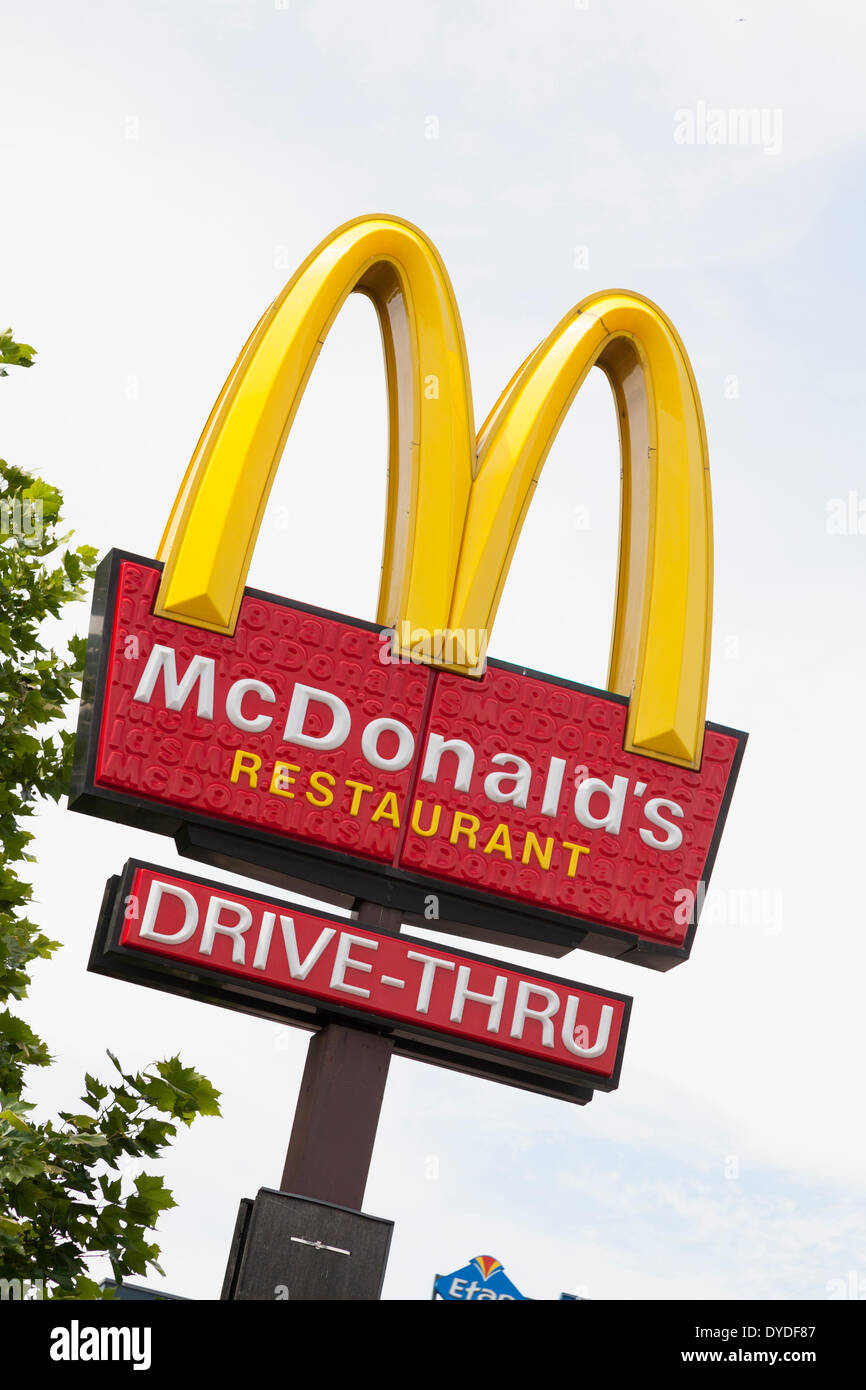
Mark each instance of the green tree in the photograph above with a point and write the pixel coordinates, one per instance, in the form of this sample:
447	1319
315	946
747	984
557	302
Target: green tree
62	1194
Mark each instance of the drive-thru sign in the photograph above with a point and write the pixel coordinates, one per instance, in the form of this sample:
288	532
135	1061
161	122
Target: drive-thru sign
279	960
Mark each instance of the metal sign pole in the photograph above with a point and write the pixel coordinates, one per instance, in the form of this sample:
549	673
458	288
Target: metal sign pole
337	1114
310	1240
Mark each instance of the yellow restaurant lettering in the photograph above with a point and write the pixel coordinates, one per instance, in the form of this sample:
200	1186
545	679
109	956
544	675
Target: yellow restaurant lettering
459	828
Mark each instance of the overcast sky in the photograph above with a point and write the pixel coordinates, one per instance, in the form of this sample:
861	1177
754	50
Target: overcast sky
164	167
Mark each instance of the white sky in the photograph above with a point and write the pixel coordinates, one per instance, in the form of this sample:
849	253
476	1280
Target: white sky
164	167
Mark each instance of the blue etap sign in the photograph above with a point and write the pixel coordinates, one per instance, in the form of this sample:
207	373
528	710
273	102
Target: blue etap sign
483	1278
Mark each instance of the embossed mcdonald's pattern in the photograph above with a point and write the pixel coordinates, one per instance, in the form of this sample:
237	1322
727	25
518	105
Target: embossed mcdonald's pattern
292	748
327	755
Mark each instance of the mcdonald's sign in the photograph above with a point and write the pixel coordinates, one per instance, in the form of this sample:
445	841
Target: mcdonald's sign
392	760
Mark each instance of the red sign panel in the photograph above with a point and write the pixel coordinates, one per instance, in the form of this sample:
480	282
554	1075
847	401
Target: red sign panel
505	807
273	958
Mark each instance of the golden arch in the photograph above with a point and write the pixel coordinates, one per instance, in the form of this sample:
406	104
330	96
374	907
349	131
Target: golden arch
456	507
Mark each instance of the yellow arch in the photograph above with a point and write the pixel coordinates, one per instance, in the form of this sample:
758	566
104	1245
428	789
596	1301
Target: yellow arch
660	646
211	532
454	512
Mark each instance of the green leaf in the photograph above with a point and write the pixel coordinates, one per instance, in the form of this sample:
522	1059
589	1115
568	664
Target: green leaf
15	1120
16	354
94	1087
153	1192
193	1093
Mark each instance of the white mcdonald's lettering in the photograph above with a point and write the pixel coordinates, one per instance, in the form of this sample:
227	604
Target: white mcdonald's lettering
200	671
465	753
597	805
302	695
234	706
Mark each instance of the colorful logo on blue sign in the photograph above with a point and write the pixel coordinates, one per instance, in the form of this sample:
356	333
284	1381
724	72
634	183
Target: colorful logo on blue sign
483	1278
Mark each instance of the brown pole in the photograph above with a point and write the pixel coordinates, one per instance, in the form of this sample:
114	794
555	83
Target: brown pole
338	1107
